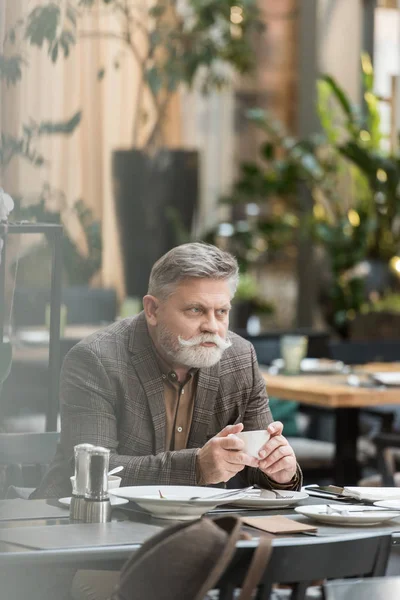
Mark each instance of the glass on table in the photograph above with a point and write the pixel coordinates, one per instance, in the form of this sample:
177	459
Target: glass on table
293	350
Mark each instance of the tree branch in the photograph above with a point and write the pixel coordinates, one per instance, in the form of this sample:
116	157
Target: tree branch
103	35
162	109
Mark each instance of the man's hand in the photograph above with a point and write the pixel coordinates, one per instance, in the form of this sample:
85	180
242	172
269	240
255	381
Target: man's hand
222	457
277	459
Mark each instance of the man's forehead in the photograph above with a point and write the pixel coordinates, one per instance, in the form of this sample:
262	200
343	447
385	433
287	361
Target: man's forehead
203	291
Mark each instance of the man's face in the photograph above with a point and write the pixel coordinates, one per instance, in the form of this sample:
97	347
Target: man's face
192	324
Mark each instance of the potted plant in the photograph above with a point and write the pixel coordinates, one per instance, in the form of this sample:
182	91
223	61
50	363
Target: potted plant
248	302
171	43
354	185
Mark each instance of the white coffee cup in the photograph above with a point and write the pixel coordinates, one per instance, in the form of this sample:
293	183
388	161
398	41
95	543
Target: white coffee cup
254	441
113	481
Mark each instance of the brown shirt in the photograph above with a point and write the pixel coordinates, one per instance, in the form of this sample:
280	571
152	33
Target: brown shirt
179	403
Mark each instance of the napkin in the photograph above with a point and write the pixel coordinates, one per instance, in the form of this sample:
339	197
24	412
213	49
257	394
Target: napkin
277	524
372	494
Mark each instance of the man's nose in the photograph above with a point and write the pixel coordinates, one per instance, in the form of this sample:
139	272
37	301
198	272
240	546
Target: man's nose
209	325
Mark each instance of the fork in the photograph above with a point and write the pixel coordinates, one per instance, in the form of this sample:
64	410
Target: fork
222	495
280	496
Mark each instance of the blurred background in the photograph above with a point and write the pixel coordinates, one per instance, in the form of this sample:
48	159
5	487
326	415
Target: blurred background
268	128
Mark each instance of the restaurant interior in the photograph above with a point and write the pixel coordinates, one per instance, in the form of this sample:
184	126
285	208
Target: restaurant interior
271	131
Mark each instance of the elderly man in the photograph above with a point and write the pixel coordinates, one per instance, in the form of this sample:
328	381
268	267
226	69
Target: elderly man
167	391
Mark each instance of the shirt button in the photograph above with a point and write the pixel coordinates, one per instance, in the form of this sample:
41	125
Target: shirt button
179	429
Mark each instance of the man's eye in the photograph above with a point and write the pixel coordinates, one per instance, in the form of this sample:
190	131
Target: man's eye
194	310
223	311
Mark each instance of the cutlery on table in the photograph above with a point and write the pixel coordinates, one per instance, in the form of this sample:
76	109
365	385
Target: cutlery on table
367	509
226	494
280	496
277	494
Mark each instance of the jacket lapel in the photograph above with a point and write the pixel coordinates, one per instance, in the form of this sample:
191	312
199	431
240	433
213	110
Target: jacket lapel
207	390
146	366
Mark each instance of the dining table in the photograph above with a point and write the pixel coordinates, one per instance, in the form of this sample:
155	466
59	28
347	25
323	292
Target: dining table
333	392
39	533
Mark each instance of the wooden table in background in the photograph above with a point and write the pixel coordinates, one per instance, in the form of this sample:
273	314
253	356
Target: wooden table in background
333	392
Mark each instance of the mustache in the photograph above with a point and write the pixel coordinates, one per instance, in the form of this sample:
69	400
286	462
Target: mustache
206	337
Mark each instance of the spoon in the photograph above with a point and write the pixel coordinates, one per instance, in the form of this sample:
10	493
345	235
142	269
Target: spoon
115	470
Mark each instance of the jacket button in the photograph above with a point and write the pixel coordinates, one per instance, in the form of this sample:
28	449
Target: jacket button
179	429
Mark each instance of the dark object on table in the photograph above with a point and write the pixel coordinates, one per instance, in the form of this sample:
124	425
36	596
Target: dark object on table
379	588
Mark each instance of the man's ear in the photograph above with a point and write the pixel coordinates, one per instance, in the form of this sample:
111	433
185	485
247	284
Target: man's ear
150	306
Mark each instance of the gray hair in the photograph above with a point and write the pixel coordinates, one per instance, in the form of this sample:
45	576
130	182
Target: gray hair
192	260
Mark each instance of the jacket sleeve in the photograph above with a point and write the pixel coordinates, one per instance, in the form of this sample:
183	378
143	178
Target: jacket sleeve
258	416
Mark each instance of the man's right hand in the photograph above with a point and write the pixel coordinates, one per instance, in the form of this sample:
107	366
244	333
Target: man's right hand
222	457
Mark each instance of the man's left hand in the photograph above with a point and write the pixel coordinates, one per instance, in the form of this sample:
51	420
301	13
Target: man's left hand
277	459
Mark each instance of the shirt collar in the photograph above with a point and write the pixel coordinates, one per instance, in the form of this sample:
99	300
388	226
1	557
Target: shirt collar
167	371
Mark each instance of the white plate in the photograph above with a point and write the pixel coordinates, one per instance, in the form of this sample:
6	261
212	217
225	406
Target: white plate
357	515
175	504
114	501
267	499
314	365
390	378
394	504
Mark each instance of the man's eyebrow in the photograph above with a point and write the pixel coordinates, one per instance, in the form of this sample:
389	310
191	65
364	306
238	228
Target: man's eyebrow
195	305
227	306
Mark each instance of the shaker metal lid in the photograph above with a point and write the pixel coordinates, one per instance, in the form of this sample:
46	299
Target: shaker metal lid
99	450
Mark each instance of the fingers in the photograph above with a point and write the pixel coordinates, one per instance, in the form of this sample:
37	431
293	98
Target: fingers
241	458
272	444
231	442
275	428
237	428
282	458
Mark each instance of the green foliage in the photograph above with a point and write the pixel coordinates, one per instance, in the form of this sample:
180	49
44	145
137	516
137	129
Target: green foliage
248	291
23	145
389	302
354	185
79	268
43	27
11	68
180	43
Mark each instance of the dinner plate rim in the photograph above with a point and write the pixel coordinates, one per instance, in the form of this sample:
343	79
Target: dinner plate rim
385	503
171	502
307	511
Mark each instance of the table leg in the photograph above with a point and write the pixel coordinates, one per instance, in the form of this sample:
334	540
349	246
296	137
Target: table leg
347	469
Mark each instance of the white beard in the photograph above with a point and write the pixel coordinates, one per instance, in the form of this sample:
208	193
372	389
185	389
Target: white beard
189	353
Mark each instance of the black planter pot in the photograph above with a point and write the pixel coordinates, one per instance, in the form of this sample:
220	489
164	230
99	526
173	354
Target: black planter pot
149	191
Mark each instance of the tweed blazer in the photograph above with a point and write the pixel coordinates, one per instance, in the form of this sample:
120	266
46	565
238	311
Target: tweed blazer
111	395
